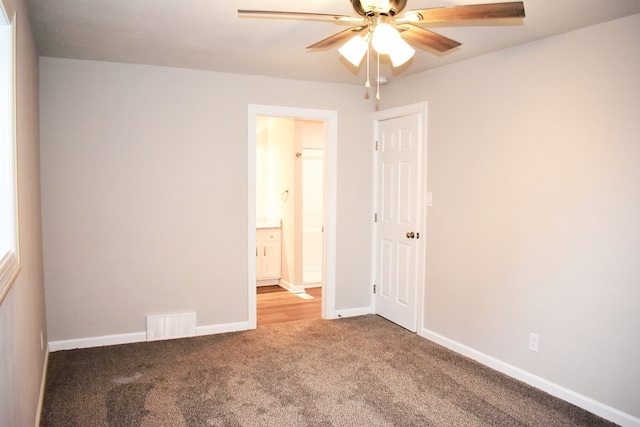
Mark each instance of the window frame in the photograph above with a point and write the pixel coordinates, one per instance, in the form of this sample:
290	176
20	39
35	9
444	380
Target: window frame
9	227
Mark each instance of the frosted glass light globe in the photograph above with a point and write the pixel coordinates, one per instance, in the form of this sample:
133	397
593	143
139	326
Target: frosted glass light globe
384	38
354	50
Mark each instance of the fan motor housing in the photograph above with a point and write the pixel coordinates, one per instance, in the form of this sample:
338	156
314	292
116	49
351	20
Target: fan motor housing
374	7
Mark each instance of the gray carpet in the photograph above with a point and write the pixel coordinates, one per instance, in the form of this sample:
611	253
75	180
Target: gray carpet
361	371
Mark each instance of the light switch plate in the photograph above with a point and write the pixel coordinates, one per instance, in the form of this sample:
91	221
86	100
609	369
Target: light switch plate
429	198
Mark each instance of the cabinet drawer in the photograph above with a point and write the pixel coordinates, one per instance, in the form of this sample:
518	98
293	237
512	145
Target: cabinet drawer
267	235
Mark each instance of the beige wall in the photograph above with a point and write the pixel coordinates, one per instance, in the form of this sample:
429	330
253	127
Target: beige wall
533	160
22	313
534	166
144	175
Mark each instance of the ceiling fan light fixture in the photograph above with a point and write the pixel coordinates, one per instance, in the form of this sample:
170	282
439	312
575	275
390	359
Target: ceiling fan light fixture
401	52
386	23
384	38
354	50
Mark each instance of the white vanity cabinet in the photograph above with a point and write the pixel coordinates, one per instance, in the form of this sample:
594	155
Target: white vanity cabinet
268	256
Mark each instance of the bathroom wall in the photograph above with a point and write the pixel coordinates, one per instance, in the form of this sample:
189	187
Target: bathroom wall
274	167
275	182
280	192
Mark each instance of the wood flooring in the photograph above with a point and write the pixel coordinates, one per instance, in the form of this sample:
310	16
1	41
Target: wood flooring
277	305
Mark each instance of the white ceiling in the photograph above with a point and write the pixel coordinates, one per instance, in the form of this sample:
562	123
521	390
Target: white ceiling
209	35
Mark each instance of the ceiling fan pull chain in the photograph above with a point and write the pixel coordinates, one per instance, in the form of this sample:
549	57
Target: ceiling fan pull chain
378	79
368	83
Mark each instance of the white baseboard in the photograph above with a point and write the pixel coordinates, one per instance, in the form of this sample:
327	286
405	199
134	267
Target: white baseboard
584	402
43	384
223	328
138	337
353	312
291	287
98	341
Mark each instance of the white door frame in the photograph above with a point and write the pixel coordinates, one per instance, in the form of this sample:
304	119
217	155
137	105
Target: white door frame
420	109
330	117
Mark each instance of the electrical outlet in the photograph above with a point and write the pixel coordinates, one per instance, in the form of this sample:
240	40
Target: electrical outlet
534	340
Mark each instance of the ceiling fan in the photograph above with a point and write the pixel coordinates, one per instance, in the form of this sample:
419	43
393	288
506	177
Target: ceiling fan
386	26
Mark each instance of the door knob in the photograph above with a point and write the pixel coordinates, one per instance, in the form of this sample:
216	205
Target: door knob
410	235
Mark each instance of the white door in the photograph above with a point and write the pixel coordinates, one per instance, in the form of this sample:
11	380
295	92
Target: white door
398	224
312	215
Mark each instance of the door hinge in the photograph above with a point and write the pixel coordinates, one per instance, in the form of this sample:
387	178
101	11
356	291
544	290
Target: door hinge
376	145
374	288
375	217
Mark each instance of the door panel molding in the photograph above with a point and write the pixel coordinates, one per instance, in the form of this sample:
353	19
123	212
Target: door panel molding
383	197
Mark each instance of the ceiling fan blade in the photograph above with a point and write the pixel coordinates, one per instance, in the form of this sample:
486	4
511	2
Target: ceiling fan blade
428	38
342	36
463	13
299	15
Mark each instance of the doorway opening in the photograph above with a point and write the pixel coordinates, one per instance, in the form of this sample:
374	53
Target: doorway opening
291	215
